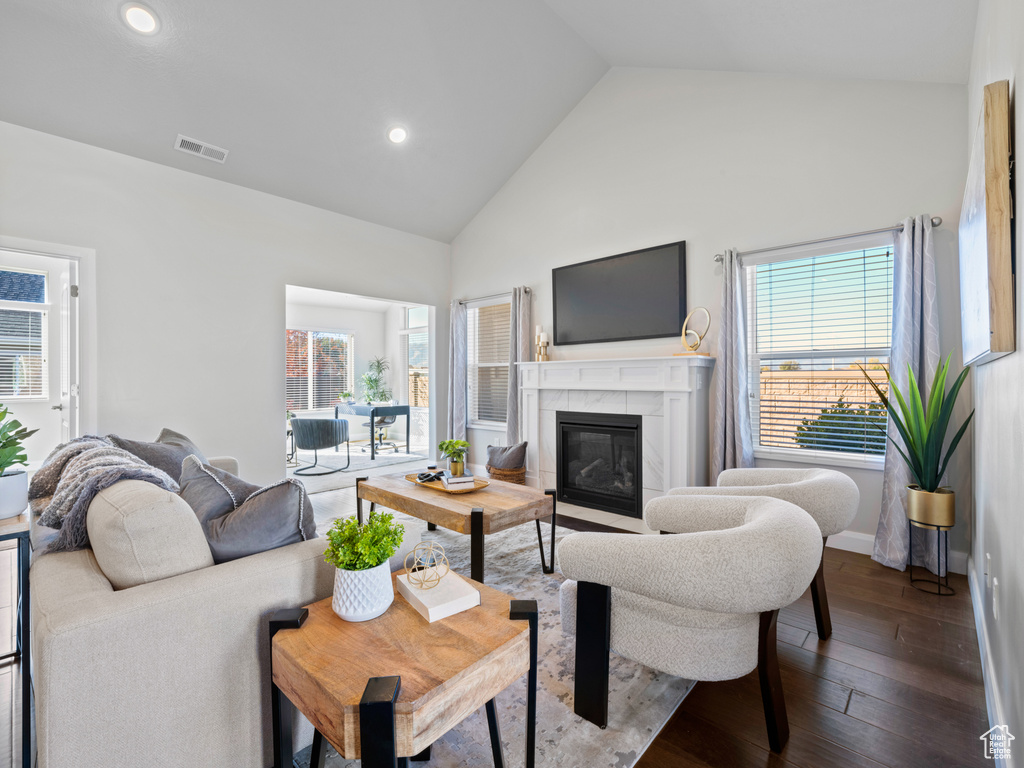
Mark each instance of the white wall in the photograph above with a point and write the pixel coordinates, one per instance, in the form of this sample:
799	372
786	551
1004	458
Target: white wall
999	415
721	160
191	276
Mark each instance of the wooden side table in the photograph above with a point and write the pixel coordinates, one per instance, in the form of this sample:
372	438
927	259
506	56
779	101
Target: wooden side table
19	528
384	690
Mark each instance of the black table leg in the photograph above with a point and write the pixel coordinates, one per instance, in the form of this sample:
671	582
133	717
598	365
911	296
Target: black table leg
281	709
377	724
318	751
519	610
492	726
431	526
593	646
476	535
408	429
373	434
359	500
25	622
540	537
422	757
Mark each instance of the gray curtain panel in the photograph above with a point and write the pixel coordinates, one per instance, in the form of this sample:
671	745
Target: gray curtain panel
518	352
915	342
731	444
457	356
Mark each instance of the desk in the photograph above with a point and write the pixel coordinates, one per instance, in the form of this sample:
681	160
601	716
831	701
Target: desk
375	412
18	528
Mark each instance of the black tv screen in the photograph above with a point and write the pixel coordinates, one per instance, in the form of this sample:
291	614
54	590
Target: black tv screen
636	295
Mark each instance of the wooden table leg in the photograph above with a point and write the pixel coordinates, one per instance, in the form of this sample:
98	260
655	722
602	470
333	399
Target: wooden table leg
476	535
593	646
280	707
518	611
377	748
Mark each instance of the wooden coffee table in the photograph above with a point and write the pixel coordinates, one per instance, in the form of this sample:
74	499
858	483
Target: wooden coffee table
497	507
386	689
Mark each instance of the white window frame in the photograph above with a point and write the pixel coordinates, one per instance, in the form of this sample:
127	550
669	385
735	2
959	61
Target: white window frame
44	309
492	426
754	358
404	332
350	348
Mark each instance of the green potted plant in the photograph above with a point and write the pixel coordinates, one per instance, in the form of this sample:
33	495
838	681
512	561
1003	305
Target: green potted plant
362	581
922	429
13	483
375	388
346	397
455	451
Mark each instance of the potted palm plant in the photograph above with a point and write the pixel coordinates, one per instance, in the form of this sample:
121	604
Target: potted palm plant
362	581
455	451
13	483
922	429
375	388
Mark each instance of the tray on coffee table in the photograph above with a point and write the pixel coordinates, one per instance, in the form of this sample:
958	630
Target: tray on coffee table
437	485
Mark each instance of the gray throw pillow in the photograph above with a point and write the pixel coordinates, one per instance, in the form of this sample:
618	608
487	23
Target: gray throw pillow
507	457
241	519
167	453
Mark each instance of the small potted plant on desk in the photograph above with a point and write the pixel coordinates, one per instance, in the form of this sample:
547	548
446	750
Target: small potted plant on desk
13	484
455	451
362	583
922	424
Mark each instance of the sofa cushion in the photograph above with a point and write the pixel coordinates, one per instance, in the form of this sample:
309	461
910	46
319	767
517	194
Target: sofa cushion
506	456
241	519
167	453
142	533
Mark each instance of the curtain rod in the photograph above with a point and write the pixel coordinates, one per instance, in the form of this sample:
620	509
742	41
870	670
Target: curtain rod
492	296
936	221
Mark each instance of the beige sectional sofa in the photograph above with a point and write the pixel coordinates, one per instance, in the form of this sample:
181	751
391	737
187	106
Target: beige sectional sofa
171	672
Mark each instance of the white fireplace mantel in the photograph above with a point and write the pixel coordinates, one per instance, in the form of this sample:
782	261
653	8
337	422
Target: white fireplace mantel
669	393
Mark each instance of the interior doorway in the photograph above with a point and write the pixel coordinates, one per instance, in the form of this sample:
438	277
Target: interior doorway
39	347
345	352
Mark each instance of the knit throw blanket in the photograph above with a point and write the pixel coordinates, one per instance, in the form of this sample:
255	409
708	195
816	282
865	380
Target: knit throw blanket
64	487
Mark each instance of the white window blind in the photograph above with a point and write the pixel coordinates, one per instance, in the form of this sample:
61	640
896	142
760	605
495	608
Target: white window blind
318	368
812	320
416	354
488	338
23	334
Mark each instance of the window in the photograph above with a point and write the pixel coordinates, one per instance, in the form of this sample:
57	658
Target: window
318	368
487	337
23	337
415	341
812	319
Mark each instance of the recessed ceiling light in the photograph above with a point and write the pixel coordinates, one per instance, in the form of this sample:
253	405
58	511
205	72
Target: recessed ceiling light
140	18
398	134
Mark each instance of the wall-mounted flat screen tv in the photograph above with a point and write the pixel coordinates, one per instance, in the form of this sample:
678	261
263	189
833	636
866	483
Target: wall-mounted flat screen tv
636	295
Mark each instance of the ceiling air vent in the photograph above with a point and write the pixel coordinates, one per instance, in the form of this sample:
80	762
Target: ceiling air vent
200	149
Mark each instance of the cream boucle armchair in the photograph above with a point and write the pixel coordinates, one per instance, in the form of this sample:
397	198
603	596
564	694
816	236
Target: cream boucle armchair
701	605
828	496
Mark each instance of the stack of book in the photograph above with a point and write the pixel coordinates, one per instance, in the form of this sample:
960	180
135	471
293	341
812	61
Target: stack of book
462	481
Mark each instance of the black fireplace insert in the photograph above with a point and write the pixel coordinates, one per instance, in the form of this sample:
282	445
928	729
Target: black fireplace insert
599	461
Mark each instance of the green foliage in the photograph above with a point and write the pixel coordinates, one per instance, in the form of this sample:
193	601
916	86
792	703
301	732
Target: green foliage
345	396
12	435
923	428
375	387
455	450
843	427
789	365
354	547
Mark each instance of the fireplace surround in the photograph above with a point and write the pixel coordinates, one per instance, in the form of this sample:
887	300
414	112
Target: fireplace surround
599	461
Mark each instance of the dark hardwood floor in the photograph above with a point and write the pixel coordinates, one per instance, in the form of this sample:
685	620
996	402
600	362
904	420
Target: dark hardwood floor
898	684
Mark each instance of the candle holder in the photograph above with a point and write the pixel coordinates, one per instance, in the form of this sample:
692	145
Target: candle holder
542	350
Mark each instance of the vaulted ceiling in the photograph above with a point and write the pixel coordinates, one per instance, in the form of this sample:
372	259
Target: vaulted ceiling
302	94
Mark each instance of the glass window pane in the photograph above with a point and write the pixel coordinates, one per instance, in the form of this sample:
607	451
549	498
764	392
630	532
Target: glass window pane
416	317
22	356
22	286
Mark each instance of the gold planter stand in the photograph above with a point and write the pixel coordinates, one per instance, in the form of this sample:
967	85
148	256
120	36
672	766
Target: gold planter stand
937	512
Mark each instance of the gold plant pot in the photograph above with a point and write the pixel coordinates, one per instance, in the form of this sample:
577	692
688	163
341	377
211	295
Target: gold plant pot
932	510
456	467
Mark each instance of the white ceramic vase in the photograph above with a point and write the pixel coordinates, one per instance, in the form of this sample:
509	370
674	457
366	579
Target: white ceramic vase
13	493
363	595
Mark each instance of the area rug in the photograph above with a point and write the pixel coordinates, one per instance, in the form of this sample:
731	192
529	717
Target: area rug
361	466
640	700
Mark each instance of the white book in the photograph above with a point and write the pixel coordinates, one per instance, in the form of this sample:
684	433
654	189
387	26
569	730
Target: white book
452	595
449	479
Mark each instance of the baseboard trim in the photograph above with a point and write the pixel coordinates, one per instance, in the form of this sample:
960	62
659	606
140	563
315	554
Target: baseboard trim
864	544
993	701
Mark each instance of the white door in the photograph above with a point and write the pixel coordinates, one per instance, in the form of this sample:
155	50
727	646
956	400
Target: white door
68	405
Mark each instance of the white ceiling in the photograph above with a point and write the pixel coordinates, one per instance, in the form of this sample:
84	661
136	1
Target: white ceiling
302	94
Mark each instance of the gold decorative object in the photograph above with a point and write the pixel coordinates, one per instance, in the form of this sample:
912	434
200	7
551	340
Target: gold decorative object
542	346
688	333
934	510
426	565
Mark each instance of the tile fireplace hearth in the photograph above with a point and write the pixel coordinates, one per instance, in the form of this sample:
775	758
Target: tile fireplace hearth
669	396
